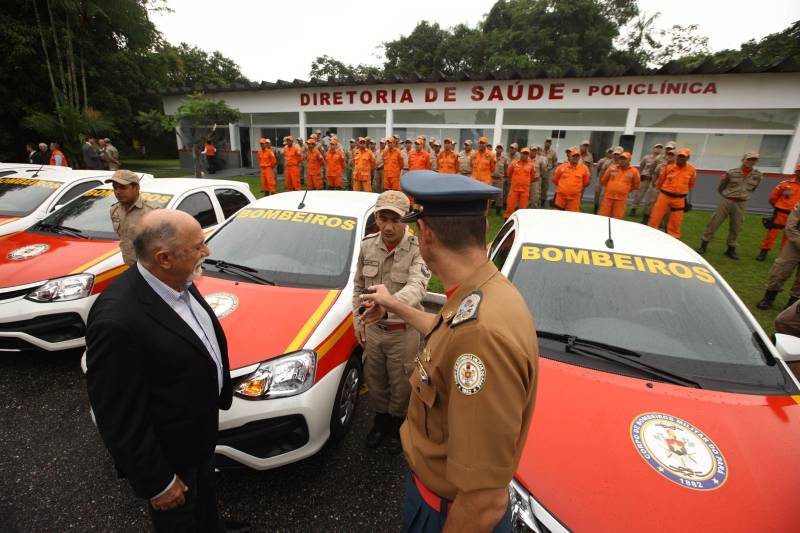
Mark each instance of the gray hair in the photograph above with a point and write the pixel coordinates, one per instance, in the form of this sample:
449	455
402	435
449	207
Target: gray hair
150	237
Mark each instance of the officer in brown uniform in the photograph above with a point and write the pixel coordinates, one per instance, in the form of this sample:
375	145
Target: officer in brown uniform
465	159
391	258
647	171
499	177
785	264
602	165
474	385
736	187
540	163
552	163
128	211
652	192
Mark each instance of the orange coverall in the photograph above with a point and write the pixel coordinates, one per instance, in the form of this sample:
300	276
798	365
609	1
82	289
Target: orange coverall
570	181
522	174
292	157
363	163
267	161
419	160
674	183
783	198
447	162
334	161
314	161
483	165
619	183
392	167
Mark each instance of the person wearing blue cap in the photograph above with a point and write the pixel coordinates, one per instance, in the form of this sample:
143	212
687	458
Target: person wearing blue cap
474	384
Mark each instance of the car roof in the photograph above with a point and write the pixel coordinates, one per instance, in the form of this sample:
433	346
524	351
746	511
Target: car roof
341	203
61	176
180	185
583	230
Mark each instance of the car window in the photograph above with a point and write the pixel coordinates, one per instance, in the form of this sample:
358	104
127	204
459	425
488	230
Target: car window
500	234
199	206
231	201
502	251
77	190
294	248
20	196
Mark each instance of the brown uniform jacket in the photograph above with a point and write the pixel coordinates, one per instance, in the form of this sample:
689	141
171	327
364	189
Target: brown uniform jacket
793	227
552	157
500	167
124	223
473	391
647	166
734	185
465	162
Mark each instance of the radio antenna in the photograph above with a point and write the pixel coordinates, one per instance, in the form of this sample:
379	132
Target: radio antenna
609	241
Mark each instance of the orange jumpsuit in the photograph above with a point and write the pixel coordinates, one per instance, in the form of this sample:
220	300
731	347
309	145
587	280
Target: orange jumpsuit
570	181
783	198
334	162
522	174
314	161
267	161
674	183
447	162
483	165
363	163
292	157
392	168
419	160
618	183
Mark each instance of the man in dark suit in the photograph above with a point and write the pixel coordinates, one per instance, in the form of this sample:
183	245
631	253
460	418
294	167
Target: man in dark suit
157	374
90	157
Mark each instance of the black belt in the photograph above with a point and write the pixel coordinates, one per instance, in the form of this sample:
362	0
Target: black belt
784	211
673	195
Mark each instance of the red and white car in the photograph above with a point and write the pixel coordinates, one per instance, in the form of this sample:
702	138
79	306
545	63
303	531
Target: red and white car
662	405
51	273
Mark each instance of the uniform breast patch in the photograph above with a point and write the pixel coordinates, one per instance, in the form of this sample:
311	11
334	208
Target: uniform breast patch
468	310
469	374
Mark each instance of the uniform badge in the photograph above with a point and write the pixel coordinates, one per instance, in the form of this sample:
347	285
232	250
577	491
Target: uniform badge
26	252
222	303
468	310
679	451
469	373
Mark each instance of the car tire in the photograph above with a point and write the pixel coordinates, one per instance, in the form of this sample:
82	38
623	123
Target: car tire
346	401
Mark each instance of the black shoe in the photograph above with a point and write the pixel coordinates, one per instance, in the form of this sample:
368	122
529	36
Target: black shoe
233	526
645	219
731	252
762	255
766	301
791	302
379	431
633	212
394	445
703	246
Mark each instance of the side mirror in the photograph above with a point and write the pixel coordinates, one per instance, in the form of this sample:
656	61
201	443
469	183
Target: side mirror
788	347
57	207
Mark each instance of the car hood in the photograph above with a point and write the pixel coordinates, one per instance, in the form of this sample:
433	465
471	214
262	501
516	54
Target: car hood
582	458
262	322
41	256
6	220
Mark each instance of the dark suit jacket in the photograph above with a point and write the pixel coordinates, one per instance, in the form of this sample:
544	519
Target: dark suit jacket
152	384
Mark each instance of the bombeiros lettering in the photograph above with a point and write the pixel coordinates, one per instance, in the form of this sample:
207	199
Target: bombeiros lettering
300	217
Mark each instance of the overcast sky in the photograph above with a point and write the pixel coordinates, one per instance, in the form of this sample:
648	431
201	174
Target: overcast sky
279	40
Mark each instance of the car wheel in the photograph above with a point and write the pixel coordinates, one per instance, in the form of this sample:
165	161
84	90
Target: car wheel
344	406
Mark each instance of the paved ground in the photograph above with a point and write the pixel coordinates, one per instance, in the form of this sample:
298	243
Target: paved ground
55	474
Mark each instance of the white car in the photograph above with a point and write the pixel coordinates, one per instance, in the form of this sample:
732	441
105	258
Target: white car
28	193
51	273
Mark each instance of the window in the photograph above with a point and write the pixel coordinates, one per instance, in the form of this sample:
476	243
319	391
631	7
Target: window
501	252
472	134
275	118
76	191
346	117
231	201
444	116
708	119
565	117
199	206
517	136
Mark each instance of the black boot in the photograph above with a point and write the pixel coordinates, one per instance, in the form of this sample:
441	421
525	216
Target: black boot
792	300
762	255
394	445
379	431
703	246
645	219
766	302
731	252
633	212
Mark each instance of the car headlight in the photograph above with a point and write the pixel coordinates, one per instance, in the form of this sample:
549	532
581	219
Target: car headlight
283	376
63	289
522	518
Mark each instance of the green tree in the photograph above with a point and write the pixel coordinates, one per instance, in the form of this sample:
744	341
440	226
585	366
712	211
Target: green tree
195	113
325	67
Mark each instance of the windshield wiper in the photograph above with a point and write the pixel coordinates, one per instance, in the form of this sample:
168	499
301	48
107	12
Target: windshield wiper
617	354
66	230
242	270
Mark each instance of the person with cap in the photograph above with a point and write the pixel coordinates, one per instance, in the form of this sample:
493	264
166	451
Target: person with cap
465	159
314	162
735	189
447	160
405	151
618	180
603	164
292	157
513	155
348	159
419	158
363	163
647	167
483	162
436	149
787	263
110	155
653	192
91	159
522	176
128	211
473	388
378	179
540	164
783	198
552	164
674	184
267	162
499	177
570	178
57	157
392	165
390	258
334	165
586	155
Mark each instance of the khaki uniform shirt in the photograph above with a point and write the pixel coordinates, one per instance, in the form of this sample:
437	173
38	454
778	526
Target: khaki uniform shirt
111	156
736	186
501	166
541	166
124	223
552	158
465	162
473	390
435	160
402	271
603	165
647	166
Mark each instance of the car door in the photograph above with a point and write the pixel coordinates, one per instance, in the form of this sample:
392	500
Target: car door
199	205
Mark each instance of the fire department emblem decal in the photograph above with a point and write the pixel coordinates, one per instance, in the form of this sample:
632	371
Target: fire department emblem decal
223	303
679	451
469	373
26	252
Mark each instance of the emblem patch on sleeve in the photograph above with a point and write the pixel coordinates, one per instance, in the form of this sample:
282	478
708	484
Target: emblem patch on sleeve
468	310
469	373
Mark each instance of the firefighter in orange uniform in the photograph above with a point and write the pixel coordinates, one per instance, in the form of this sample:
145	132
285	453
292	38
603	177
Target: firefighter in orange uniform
523	175
675	182
419	158
570	179
447	160
334	165
267	162
314	160
483	162
619	180
392	165
57	157
292	157
783	198
363	163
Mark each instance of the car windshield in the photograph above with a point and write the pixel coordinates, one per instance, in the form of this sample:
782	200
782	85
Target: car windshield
90	213
294	248
20	196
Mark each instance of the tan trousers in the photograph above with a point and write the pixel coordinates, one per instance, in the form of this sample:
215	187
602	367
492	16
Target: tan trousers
377	180
639	195
544	185
500	200
389	361
782	269
650	200
732	210
535	197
